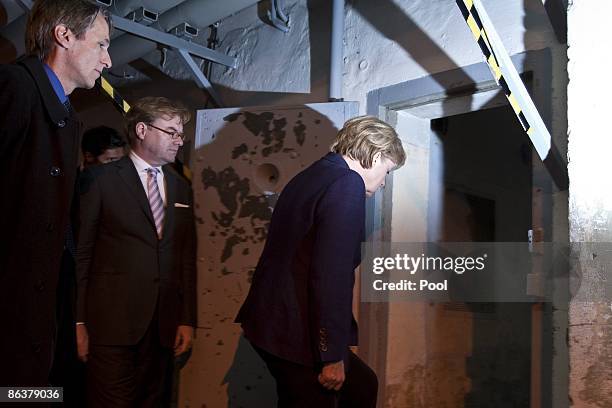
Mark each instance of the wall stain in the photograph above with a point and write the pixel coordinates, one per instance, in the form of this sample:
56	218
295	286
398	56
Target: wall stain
231	188
240	150
278	135
300	132
229	245
263	125
234	194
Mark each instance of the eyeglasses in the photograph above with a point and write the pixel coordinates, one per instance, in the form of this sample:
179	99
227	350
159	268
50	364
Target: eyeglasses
174	135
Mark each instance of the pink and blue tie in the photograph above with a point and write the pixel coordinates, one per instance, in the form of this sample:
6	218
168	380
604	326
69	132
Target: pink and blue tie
155	200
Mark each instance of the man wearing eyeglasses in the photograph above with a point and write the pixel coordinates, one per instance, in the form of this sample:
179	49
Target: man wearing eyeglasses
136	273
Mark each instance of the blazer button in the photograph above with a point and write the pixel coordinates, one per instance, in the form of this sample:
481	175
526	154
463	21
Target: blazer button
61	123
50	227
55	171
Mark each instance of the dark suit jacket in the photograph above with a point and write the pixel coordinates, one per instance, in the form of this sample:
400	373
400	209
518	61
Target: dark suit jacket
299	306
123	270
39	151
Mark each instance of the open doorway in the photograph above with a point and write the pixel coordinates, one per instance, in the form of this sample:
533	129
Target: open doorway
471	175
483	160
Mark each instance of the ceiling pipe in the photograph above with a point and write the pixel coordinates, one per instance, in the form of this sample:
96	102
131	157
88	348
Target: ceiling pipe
336	57
122	8
274	16
198	13
13	34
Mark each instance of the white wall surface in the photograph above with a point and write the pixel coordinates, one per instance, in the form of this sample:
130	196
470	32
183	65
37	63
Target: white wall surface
386	42
590	334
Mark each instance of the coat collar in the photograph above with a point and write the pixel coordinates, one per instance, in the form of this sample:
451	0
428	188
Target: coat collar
57	111
336	159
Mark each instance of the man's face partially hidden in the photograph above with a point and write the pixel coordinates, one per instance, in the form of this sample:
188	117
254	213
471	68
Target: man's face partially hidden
111	155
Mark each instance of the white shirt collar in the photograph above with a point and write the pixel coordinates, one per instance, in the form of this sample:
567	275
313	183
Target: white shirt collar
140	164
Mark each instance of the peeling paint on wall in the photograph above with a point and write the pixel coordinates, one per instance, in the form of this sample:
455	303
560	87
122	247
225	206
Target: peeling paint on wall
244	157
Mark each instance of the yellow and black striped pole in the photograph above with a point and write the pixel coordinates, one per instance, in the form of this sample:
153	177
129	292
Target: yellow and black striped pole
507	78
470	14
108	89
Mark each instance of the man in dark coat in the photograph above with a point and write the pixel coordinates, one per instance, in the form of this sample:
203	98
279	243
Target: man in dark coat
136	262
67	42
298	313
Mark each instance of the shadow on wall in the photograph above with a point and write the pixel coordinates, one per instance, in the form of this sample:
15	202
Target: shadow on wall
249	384
243	159
394	24
318	49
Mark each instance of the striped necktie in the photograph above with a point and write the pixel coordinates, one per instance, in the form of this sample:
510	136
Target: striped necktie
155	200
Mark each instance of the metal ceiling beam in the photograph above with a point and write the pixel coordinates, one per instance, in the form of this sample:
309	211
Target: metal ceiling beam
26	5
172	41
200	78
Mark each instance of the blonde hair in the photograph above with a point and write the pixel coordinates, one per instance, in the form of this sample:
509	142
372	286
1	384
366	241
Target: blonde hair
148	109
361	138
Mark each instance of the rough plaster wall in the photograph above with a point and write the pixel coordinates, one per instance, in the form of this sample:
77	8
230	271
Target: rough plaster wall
242	155
590	334
386	42
274	67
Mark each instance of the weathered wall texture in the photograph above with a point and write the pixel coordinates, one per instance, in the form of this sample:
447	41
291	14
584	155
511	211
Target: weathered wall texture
386	42
590	334
243	159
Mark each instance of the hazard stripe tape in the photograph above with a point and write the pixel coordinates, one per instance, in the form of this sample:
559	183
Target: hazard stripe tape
471	17
108	89
515	91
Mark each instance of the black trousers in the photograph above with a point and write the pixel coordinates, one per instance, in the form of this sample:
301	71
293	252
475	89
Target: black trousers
298	386
128	376
67	370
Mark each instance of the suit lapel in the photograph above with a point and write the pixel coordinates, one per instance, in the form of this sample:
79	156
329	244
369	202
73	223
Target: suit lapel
129	175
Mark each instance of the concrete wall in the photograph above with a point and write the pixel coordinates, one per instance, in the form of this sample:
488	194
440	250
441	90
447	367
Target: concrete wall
386	42
590	330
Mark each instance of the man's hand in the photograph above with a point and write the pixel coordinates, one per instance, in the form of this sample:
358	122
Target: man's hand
332	375
184	339
82	340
